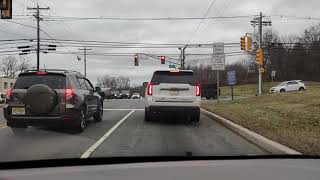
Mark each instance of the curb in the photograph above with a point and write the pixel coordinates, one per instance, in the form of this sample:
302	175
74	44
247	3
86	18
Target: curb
261	141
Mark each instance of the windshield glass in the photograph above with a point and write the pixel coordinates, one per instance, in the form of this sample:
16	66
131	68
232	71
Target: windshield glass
125	78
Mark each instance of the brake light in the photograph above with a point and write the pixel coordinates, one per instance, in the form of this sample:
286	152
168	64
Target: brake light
9	93
41	73
69	94
150	89
198	91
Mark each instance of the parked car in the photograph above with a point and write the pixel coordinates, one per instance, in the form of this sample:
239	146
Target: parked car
286	86
175	91
209	91
125	94
114	95
52	98
135	96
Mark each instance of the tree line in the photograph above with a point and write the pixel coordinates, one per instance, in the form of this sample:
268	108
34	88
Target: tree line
11	66
291	56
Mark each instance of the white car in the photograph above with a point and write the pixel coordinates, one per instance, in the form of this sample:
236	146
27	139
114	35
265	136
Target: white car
174	91
2	98
135	96
286	86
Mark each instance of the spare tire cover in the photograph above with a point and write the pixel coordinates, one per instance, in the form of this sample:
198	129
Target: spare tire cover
40	99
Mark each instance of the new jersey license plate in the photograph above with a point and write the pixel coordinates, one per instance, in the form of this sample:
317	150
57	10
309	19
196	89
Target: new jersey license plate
18	111
174	93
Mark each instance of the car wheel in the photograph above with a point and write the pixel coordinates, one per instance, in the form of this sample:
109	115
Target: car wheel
301	89
99	115
282	90
147	115
196	117
80	124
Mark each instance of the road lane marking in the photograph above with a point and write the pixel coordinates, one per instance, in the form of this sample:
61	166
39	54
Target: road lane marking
123	109
104	137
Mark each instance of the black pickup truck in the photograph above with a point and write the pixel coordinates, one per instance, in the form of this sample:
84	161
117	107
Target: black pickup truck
209	91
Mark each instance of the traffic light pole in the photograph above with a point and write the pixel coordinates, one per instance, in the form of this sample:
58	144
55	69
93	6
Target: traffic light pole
260	45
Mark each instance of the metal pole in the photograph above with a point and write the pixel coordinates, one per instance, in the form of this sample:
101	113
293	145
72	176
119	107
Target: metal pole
38	37
85	62
260	45
218	85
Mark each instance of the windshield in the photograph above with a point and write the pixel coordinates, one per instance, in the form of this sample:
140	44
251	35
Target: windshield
174	78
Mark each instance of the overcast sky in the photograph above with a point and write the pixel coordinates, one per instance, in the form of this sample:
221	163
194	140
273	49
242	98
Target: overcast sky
221	30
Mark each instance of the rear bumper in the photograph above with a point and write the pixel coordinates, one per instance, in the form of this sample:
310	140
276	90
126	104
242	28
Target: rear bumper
66	118
173	109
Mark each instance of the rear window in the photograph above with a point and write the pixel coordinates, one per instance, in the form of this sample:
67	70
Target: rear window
53	81
173	77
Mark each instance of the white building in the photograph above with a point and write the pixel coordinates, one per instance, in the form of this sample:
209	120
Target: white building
6	83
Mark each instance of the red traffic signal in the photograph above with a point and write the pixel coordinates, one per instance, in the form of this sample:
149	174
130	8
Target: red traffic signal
163	59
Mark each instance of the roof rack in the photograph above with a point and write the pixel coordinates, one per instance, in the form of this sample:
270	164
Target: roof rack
51	70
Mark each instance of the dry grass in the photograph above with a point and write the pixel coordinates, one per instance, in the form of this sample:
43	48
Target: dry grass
292	119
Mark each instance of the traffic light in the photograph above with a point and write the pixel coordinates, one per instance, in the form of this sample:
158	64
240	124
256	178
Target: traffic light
136	60
243	43
259	57
163	59
6	9
249	43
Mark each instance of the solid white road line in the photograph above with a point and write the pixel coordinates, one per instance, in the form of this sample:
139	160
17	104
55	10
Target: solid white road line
123	109
104	137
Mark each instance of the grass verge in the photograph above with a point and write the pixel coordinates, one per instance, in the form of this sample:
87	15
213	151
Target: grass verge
292	118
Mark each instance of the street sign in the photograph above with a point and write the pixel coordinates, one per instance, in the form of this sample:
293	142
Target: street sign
231	78
172	66
218	58
273	73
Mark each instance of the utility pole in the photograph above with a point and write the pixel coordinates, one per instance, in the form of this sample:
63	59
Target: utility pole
37	16
183	56
260	22
85	49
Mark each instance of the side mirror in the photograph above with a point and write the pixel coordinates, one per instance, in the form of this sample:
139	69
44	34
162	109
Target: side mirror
98	89
145	84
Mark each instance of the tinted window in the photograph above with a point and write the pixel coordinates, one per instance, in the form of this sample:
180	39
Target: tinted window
82	83
53	81
173	77
74	81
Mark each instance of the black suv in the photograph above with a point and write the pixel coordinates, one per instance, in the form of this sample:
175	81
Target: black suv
52	97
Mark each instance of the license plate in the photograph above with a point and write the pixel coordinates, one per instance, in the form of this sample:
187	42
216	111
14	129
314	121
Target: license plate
18	111
174	93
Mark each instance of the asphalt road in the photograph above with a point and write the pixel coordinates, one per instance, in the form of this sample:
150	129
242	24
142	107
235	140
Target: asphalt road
123	132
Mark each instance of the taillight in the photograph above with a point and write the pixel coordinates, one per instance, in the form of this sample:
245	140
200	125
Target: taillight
150	89
9	93
69	94
198	91
41	73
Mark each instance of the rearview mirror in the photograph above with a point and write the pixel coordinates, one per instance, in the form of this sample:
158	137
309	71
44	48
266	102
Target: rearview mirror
145	84
97	89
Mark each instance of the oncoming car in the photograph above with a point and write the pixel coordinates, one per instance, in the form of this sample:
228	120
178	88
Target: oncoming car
286	86
175	91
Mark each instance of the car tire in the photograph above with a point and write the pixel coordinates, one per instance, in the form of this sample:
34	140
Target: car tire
147	115
282	90
301	89
196	117
80	123
99	115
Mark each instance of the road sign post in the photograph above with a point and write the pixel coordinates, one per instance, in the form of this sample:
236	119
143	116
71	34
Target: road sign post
218	62
273	74
232	80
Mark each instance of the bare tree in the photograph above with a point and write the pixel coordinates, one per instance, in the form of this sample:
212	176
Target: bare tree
9	66
119	83
24	64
